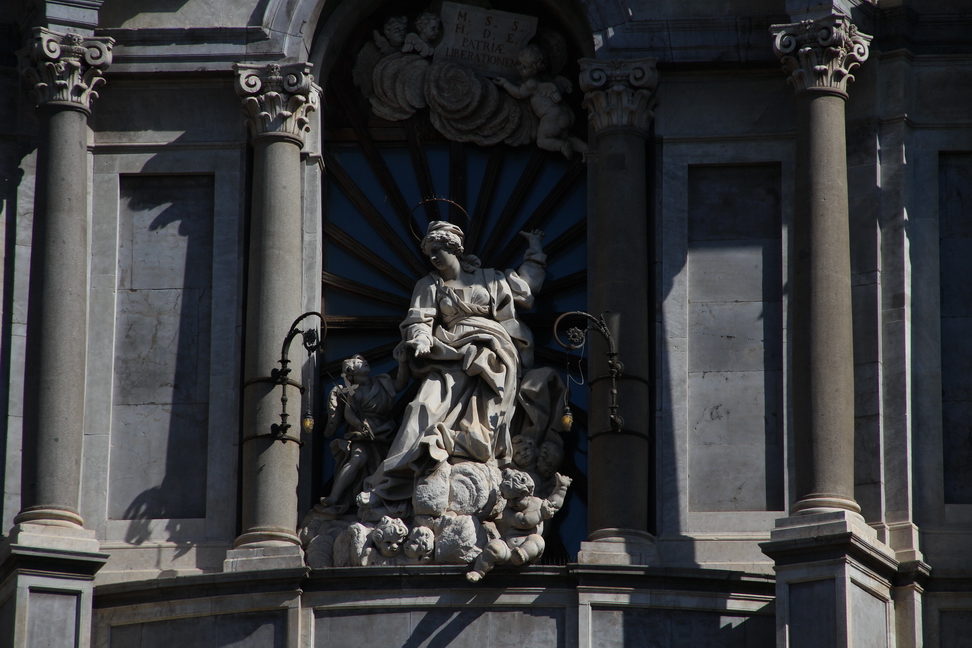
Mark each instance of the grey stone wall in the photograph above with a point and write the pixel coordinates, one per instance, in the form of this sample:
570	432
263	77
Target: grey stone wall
735	341
160	414
258	629
955	262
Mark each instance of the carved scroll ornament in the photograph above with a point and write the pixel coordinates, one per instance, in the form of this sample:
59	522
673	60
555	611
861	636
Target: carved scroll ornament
619	93
820	54
277	99
64	68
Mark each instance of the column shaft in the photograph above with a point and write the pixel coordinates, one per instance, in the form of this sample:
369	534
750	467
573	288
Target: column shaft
63	71
276	100
273	302
56	321
619	97
618	282
822	332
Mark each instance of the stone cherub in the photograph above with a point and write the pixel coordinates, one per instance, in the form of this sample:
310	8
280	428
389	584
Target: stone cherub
521	524
392	37
546	97
364	405
427	25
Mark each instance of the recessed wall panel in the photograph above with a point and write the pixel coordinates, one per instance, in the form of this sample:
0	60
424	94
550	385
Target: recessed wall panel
160	400
955	255
467	627
735	344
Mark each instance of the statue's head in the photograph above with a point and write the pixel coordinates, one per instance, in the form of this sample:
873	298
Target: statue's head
524	451
444	235
551	456
516	484
420	543
428	25
395	29
389	535
532	60
355	370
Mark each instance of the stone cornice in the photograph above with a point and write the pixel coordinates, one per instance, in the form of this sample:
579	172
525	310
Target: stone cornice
820	54
619	93
66	68
277	98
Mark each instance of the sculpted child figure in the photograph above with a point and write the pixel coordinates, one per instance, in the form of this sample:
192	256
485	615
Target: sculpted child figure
521	525
420	546
388	538
393	37
546	99
364	404
428	26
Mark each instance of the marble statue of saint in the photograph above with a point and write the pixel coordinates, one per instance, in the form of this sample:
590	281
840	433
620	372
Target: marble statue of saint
464	342
363	404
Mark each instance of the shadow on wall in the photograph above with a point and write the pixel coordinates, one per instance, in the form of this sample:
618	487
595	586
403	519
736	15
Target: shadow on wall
115	13
672	628
161	392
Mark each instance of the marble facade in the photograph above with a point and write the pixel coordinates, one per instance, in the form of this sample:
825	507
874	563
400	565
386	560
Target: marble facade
777	195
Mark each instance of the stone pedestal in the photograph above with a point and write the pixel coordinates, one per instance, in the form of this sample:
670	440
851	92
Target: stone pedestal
48	560
833	575
46	591
276	100
833	582
619	97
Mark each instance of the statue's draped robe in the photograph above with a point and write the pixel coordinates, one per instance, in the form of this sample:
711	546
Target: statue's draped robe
467	396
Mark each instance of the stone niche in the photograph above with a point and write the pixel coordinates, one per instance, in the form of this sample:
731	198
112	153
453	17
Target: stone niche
464	469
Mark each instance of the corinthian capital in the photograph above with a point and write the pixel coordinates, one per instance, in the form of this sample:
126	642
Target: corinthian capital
64	68
277	99
820	54
619	92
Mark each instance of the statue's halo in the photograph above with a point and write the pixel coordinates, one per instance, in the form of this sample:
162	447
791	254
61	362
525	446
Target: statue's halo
411	224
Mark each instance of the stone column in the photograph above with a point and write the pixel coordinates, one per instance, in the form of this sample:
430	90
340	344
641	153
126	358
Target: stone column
63	71
619	97
48	557
819	56
829	563
276	100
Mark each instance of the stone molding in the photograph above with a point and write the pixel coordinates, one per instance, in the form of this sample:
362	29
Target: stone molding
277	99
619	93
820	54
65	68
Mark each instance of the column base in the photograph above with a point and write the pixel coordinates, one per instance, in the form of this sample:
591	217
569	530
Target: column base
256	558
54	536
833	582
619	547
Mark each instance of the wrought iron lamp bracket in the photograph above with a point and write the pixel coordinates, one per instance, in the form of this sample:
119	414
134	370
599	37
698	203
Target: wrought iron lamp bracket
577	338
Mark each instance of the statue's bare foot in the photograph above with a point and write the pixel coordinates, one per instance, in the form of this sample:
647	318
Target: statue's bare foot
474	576
518	556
